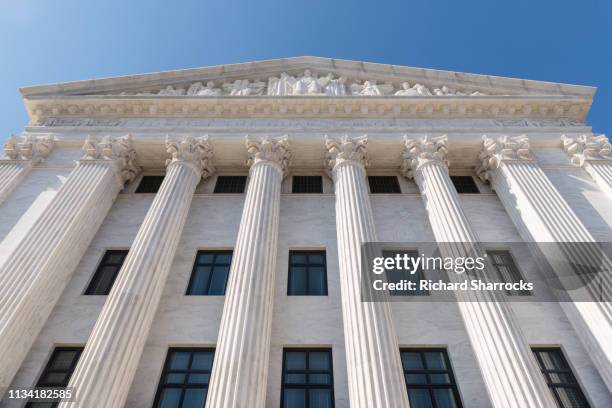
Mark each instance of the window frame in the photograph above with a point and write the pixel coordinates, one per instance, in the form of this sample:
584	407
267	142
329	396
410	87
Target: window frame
228	176
101	264
142	179
161	385
307	372
306	183
196	264
514	266
380	176
452	384
552	386
454	177
306	265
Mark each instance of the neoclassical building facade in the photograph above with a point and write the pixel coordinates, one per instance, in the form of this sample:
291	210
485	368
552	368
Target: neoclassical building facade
194	237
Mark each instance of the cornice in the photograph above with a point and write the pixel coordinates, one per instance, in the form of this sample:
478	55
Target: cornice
573	108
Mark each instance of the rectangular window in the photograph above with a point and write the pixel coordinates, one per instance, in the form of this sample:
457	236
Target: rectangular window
307	378
103	279
307	273
210	272
185	377
465	184
307	184
230	184
57	372
384	185
507	271
149	184
429	378
559	378
397	275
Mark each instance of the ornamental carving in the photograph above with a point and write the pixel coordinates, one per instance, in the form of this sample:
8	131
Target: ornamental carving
501	149
426	150
345	149
194	151
308	83
28	148
269	149
119	151
587	147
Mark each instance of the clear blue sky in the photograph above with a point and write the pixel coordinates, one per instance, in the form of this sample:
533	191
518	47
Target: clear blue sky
47	41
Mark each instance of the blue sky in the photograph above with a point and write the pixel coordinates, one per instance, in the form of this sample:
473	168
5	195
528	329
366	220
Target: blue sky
44	41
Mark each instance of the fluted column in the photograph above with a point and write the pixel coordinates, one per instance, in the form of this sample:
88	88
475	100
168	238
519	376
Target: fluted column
542	215
34	275
375	375
594	154
506	362
240	369
18	158
107	366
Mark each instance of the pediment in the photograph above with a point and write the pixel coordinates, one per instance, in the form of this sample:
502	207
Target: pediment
306	76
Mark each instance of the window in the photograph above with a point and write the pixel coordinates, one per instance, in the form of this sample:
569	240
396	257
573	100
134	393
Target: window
307	184
429	378
185	378
57	372
149	184
210	272
507	271
103	279
384	184
307	274
397	275
307	379
230	184
559	378
465	184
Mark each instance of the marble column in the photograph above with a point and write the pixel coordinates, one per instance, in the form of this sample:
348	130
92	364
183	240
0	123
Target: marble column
20	155
240	370
375	375
594	154
107	366
34	275
541	215
506	362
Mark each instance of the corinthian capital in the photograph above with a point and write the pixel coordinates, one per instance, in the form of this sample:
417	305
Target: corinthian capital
28	148
422	151
345	149
502	149
269	149
118	150
197	152
587	147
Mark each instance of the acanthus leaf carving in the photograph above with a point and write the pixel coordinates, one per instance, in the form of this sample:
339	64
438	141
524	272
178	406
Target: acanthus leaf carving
118	150
496	150
587	147
345	149
197	152
28	148
269	149
423	151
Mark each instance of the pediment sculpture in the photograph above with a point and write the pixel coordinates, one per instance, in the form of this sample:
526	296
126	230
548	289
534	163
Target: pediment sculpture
307	84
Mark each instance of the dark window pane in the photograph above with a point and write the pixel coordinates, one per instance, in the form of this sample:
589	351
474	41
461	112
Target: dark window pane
150	184
57	372
506	270
106	274
230	184
298	283
318	360
320	398
444	398
187	374
412	361
64	359
307	378
307	273
319	379
419	398
295	378
465	184
295	360
294	398
307	184
416	379
55	378
435	360
384	185
210	273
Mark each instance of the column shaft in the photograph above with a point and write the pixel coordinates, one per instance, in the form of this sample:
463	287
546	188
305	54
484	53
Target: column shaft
375	374
240	370
542	215
35	273
11	174
509	370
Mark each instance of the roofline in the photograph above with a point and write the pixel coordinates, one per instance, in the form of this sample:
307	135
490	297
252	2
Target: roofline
273	66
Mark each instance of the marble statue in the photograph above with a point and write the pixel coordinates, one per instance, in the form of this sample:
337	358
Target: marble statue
243	87
198	89
370	88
